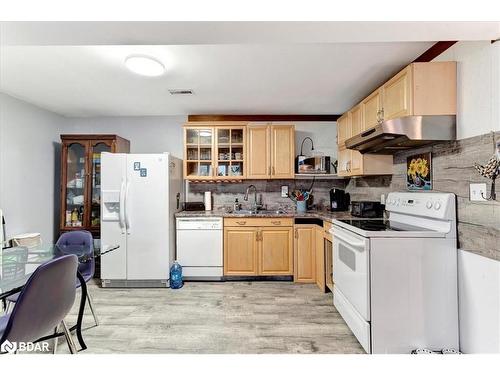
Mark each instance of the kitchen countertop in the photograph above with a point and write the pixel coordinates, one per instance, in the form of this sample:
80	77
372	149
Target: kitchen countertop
323	215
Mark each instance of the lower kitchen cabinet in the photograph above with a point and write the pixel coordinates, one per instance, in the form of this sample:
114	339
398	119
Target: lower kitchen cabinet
275	251
305	253
258	247
240	251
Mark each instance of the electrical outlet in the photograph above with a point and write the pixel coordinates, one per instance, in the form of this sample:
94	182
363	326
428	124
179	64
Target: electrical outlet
284	191
477	191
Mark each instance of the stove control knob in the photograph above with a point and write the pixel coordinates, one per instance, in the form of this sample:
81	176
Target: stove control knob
437	206
428	205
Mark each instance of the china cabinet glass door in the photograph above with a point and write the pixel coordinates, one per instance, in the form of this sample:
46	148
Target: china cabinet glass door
75	184
199	162
95	182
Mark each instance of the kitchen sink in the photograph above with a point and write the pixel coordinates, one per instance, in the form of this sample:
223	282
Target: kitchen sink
259	212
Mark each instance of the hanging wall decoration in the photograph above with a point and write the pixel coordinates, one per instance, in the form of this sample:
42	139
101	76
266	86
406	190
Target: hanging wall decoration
492	168
419	172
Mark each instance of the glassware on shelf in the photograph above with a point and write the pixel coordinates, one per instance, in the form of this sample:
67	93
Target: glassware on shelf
192	136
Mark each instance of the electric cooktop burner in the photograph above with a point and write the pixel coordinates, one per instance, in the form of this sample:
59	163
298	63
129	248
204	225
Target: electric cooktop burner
377	225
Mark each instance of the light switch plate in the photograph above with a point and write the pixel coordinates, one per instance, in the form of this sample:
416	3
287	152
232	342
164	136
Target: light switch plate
284	191
475	192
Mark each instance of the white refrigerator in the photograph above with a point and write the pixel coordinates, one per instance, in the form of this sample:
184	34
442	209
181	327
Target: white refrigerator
140	194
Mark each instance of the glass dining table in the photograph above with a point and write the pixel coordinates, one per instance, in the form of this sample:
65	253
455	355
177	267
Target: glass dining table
18	263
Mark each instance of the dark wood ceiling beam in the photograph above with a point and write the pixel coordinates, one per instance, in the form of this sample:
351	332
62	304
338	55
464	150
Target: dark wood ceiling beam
433	52
254	118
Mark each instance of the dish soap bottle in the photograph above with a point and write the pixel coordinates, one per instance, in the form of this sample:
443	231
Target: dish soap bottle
176	276
236	206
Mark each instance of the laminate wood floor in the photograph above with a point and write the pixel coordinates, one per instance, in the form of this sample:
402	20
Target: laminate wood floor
216	317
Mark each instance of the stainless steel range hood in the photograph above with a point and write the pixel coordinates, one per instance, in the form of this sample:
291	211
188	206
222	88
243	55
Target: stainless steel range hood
404	133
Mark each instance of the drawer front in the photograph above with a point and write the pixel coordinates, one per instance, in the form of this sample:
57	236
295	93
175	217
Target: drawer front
258	222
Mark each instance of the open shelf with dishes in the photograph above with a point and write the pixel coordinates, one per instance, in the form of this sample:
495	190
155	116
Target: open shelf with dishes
215	152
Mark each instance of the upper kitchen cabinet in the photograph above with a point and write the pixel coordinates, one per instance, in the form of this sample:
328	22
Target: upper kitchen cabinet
282	151
259	158
215	152
420	89
343	128
271	151
371	109
199	153
397	93
230	152
81	178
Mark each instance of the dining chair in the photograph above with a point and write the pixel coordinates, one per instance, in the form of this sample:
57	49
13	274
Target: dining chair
65	242
87	269
43	303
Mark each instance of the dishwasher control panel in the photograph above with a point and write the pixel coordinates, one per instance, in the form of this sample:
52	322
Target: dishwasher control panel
199	223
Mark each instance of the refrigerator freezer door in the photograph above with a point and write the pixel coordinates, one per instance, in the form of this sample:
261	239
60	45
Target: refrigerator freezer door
147	216
114	264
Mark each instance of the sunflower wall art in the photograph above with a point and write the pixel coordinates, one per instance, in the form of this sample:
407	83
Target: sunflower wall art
419	172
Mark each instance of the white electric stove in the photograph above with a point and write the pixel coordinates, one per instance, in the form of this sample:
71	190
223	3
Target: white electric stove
396	278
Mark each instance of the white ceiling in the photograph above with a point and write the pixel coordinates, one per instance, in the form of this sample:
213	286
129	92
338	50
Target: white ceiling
231	67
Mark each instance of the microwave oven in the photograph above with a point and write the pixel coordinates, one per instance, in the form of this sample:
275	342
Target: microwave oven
313	164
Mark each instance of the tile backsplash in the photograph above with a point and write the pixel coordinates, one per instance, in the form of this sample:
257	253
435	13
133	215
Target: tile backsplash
453	171
269	191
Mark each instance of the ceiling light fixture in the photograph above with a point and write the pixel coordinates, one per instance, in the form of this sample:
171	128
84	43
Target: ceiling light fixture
144	65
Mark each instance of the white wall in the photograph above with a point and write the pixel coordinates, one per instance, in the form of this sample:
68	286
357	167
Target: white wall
479	295
29	167
478	81
478	105
324	135
147	134
164	133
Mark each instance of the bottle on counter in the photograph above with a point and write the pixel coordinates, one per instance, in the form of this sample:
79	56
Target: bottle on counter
236	206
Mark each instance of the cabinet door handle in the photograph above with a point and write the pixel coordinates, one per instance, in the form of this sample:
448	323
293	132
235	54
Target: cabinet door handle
276	222
269	170
241	222
259	235
296	233
274	171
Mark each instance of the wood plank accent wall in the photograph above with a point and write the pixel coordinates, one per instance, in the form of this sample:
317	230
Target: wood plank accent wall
453	171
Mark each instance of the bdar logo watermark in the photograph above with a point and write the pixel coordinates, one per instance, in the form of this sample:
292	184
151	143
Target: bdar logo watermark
13	347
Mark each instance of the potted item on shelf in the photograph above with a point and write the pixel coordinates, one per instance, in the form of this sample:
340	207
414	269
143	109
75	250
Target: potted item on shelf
300	198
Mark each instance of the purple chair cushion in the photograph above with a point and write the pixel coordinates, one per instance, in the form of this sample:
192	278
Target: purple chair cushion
4	319
44	302
79	238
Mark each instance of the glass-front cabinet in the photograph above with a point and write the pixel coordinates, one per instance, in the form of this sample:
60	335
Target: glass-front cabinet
81	178
214	152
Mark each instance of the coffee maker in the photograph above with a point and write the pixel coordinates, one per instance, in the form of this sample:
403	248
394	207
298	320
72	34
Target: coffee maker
339	200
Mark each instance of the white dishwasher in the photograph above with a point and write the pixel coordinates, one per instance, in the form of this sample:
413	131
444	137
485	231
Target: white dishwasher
199	247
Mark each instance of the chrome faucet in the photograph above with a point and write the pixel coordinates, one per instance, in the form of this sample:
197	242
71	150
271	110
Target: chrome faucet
255	205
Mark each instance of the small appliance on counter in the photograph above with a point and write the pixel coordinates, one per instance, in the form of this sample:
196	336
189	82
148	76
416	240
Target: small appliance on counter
367	209
194	206
313	164
339	200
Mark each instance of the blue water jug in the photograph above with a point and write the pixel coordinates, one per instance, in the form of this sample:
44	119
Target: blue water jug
176	276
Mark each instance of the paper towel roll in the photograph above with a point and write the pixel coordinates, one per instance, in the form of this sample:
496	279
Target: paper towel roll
208	201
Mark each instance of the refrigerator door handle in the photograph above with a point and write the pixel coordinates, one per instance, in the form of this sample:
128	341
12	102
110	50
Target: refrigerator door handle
122	206
127	217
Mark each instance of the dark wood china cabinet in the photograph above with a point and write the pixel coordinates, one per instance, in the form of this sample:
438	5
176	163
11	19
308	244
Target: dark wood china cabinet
81	178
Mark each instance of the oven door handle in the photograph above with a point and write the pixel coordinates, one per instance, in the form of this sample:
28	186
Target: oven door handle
351	241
